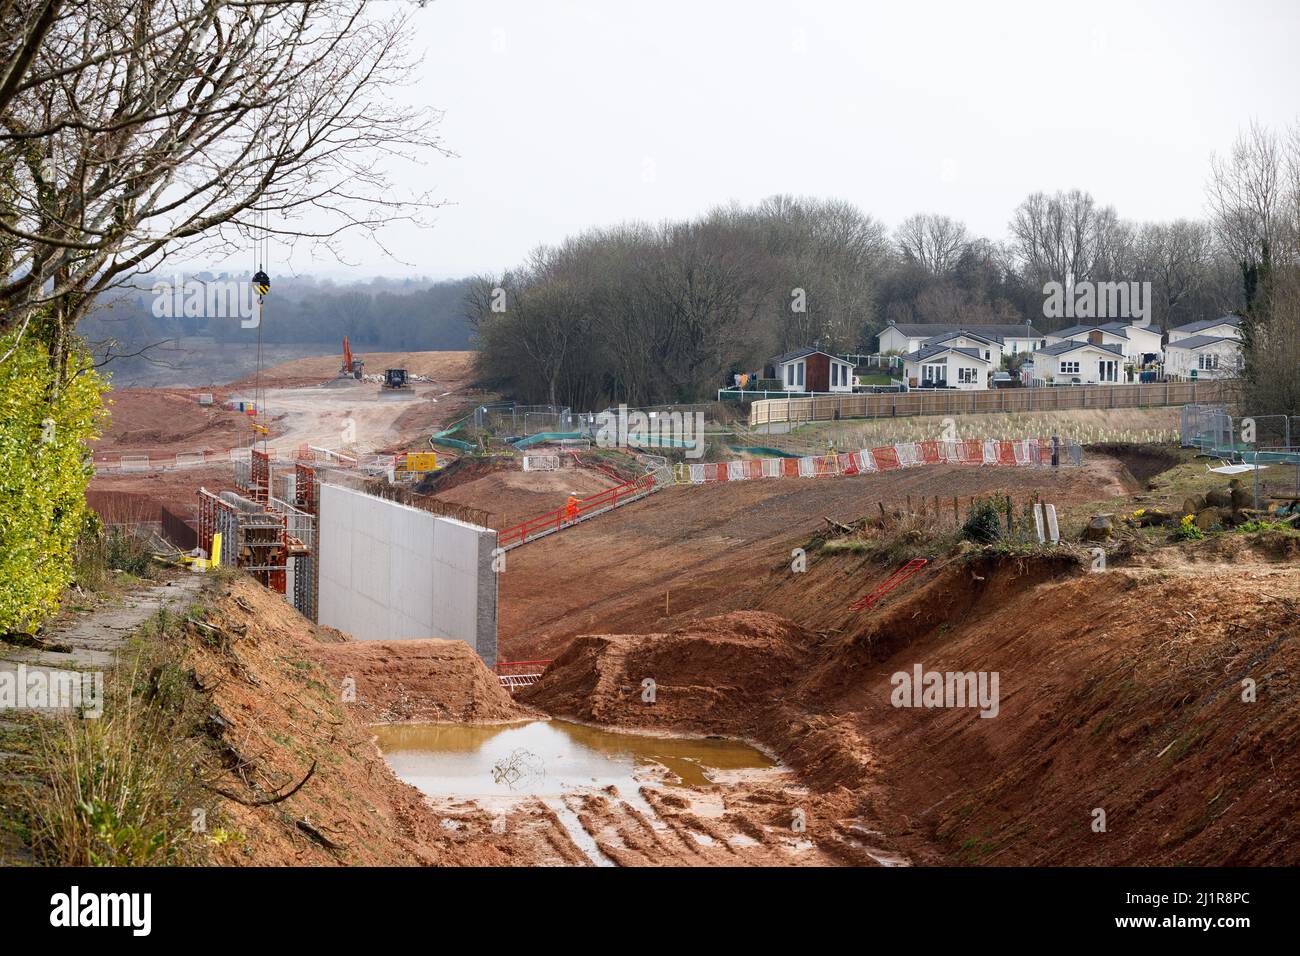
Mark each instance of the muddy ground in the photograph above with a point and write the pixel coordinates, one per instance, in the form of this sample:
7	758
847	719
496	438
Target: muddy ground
655	562
1123	694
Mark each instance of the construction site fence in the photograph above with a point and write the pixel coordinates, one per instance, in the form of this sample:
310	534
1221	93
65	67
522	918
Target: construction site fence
1215	431
976	451
181	530
508	418
541	462
959	402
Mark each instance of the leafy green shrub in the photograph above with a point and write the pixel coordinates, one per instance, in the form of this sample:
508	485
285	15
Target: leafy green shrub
983	523
1264	524
44	469
1186	530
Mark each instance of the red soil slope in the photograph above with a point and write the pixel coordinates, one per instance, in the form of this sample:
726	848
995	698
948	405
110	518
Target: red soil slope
698	545
1119	691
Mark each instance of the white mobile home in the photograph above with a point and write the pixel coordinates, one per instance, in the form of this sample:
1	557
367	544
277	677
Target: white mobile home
946	366
1078	363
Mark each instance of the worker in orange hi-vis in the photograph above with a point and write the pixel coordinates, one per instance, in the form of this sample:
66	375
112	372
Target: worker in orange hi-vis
571	509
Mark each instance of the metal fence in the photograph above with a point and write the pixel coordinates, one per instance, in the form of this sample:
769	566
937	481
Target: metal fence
1216	432
509	418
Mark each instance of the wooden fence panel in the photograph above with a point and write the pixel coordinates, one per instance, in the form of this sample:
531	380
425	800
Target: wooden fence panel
956	402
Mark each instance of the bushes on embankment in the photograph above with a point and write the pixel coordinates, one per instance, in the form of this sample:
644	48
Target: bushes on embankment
44	469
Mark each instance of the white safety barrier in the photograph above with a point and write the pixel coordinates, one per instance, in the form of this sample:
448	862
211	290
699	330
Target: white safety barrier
908	454
130	463
541	462
189	459
1017	452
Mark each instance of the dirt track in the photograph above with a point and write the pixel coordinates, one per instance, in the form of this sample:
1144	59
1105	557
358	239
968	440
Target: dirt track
700	544
512	496
305	402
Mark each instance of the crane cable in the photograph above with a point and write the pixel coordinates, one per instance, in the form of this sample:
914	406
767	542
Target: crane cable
261	257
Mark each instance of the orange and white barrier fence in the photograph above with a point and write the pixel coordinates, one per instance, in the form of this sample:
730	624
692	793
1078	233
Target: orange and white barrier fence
971	451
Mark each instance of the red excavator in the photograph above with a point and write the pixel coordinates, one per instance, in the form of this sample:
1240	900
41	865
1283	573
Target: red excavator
351	366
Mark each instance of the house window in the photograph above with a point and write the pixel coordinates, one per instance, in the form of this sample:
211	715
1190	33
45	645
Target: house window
1070	368
789	375
835	374
967	376
1207	361
800	374
934	373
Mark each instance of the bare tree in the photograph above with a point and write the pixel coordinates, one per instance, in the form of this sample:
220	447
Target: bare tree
1068	238
936	242
1175	257
1247	198
142	129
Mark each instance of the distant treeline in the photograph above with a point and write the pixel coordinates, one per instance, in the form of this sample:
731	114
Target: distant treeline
381	314
652	314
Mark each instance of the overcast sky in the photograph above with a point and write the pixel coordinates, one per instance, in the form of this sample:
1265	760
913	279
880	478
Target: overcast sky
566	115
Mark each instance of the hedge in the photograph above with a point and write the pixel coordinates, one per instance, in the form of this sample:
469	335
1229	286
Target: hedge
44	469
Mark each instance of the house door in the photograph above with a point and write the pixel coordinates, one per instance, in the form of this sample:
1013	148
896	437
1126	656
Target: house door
1108	370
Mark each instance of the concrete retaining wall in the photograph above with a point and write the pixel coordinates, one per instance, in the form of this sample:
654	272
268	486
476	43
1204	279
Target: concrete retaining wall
392	572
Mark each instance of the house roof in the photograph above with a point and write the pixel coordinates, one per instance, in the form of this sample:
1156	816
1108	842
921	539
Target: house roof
801	353
1114	328
948	336
1060	348
1201	341
1233	320
925	330
930	351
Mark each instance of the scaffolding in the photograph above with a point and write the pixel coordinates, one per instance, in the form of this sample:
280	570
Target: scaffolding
300	557
274	542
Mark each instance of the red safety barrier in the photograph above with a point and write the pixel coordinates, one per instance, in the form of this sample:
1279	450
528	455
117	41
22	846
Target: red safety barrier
848	464
929	452
554	520
886	457
790	467
1006	453
970	452
891	582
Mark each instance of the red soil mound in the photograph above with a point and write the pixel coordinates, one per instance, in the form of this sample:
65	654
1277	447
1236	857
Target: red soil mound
429	680
277	711
1119	691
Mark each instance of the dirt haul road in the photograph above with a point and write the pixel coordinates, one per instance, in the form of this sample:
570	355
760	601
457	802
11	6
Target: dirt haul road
305	403
695	545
